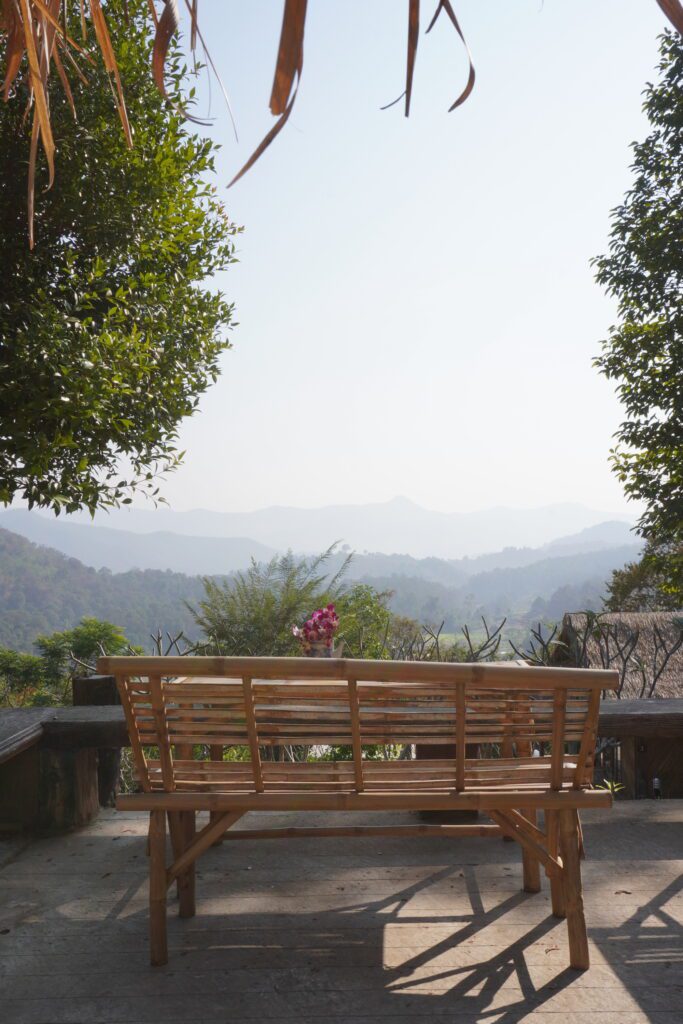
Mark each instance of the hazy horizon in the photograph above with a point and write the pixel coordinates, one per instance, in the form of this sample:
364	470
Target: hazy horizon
144	505
399	526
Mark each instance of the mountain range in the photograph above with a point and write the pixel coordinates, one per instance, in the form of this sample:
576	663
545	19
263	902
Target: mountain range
42	590
396	526
143	582
122	550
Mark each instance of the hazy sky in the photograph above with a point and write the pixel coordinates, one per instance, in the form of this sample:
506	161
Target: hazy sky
417	313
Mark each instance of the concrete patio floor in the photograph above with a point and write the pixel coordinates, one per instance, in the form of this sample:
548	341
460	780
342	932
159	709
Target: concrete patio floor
344	930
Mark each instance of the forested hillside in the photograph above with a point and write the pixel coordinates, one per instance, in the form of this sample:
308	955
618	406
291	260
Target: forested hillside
42	590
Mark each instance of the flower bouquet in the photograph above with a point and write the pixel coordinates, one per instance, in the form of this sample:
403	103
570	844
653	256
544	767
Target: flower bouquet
316	636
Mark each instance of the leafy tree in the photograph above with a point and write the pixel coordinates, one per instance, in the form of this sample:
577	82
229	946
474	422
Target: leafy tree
42	590
654	583
644	271
253	613
364	622
22	678
107	336
75	650
44	678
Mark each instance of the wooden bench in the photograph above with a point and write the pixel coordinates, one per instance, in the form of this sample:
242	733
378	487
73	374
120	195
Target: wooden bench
189	710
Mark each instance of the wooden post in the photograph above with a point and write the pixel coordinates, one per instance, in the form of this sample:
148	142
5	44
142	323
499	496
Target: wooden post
354	713
531	868
101	691
252	732
557	895
216	754
629	767
460	735
576	922
186	881
161	728
157	889
557	892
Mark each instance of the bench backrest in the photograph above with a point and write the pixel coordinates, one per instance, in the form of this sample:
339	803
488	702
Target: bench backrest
196	707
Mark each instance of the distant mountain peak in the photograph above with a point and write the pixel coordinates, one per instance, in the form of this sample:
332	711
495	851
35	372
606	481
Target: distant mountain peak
401	501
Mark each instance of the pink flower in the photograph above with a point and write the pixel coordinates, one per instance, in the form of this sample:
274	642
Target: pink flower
321	626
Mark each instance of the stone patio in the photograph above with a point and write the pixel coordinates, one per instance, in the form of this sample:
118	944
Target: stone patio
344	930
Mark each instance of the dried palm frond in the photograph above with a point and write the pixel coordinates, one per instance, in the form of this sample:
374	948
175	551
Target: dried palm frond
34	28
674	12
37	29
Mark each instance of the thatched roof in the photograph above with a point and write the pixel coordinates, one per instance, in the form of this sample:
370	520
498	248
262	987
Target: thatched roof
646	648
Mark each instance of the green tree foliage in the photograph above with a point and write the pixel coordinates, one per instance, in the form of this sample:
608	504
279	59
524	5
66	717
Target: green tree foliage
42	590
364	622
644	271
107	336
253	613
78	649
653	583
45	678
22	678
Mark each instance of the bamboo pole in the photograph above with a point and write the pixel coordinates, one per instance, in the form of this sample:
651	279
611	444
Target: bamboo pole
371	801
556	885
558	740
576	923
122	684
531	868
157	889
584	766
508	826
355	734
460	735
365	831
186	880
485	676
253	734
161	728
202	842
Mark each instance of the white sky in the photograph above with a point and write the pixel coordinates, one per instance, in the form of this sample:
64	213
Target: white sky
417	310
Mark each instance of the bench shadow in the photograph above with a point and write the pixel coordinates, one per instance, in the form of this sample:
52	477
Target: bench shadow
473	986
441	970
650	937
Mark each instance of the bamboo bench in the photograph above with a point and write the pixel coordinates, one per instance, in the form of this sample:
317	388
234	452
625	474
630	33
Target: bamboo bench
189	710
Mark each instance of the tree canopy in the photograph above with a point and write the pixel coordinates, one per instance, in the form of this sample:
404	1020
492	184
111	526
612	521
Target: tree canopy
45	678
644	271
253	613
653	583
108	335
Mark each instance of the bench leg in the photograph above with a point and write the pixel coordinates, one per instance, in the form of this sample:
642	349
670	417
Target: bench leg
576	922
181	825
175	830
552	827
186	881
157	889
530	866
